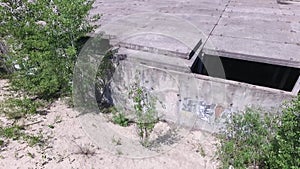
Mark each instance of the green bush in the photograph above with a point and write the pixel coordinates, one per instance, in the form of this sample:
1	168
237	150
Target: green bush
246	139
42	39
120	119
254	139
285	152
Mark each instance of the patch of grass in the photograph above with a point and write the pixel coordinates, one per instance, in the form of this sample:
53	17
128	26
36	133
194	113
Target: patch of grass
33	140
16	133
4	75
13	132
16	108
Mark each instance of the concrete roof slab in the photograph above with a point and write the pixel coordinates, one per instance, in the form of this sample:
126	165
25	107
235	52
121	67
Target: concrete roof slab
254	50
274	31
258	30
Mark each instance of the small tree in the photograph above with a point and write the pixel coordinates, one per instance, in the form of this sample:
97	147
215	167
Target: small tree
42	38
145	111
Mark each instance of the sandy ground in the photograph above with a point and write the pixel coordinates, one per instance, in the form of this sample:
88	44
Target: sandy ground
68	146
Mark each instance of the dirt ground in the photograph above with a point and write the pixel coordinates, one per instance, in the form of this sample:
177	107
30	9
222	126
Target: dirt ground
66	145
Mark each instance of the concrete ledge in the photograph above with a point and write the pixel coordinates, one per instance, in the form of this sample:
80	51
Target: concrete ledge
254	50
246	85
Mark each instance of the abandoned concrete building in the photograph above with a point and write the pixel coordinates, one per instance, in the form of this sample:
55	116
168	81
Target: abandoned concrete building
219	55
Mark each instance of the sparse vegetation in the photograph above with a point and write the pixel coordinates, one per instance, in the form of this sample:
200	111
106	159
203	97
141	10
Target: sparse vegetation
85	150
119	152
145	111
117	142
13	132
17	132
15	108
200	150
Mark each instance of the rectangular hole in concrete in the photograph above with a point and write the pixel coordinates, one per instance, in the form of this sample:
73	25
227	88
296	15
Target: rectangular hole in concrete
256	73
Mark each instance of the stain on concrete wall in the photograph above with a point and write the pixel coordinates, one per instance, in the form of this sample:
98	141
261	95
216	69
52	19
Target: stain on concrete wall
211	102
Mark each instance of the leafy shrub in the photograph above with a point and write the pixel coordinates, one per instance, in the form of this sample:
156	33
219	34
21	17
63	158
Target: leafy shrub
265	141
120	119
42	39
246	139
285	150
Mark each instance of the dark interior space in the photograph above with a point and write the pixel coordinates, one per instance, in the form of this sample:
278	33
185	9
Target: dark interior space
261	74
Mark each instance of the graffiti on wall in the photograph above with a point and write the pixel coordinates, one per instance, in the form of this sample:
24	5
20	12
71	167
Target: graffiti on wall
204	111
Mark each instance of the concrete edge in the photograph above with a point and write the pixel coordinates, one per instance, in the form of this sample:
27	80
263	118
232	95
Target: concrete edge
253	58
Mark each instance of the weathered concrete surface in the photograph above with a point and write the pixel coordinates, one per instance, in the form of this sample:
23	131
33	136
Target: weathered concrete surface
240	23
261	31
209	99
161	34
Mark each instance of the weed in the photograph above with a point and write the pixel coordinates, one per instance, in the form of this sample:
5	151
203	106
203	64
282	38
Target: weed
145	111
119	152
120	119
51	126
201	150
117	142
58	119
85	150
32	155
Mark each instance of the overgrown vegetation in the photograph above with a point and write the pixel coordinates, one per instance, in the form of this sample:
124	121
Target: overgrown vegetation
39	44
285	148
42	39
261	140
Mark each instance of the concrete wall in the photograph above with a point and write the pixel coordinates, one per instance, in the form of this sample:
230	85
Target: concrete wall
191	99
